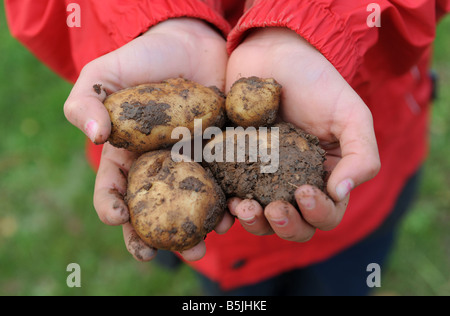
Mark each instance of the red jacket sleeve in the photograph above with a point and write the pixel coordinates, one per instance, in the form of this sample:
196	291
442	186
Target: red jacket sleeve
339	28
42	26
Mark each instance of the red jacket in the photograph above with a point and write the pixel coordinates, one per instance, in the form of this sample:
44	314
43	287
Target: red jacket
387	66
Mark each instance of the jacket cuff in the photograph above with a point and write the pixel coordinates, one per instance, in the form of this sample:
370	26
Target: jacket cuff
136	17
327	31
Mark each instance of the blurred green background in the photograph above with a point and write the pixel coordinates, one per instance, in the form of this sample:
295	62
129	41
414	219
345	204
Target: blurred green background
47	219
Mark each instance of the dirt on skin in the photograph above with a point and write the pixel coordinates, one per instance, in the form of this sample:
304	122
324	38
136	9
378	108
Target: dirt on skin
97	88
300	162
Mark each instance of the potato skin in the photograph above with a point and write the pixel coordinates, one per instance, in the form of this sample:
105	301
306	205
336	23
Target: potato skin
253	102
173	205
143	117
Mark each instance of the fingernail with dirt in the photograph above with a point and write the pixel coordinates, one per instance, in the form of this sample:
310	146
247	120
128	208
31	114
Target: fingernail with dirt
246	212
306	199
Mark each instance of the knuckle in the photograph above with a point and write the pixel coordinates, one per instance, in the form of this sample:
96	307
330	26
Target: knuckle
332	223
300	237
69	109
138	250
98	206
373	167
288	236
329	227
319	219
305	238
72	112
325	222
260	232
89	68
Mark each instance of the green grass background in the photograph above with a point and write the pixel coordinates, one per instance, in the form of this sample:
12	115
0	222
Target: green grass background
47	219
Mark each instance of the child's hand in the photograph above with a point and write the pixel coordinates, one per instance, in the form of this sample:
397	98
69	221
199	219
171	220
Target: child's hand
175	48
318	99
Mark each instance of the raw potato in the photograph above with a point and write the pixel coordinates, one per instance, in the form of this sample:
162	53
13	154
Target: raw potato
143	117
253	102
173	205
300	162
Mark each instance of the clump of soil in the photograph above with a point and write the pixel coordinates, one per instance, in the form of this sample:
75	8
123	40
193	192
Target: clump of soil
147	116
300	162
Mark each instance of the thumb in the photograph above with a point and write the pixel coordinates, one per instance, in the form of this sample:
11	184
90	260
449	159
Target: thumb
360	158
84	107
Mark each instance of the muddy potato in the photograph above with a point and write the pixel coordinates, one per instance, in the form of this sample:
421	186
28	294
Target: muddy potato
253	102
173	205
300	161
143	117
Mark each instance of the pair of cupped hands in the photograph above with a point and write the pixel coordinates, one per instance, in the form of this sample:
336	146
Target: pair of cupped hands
315	97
